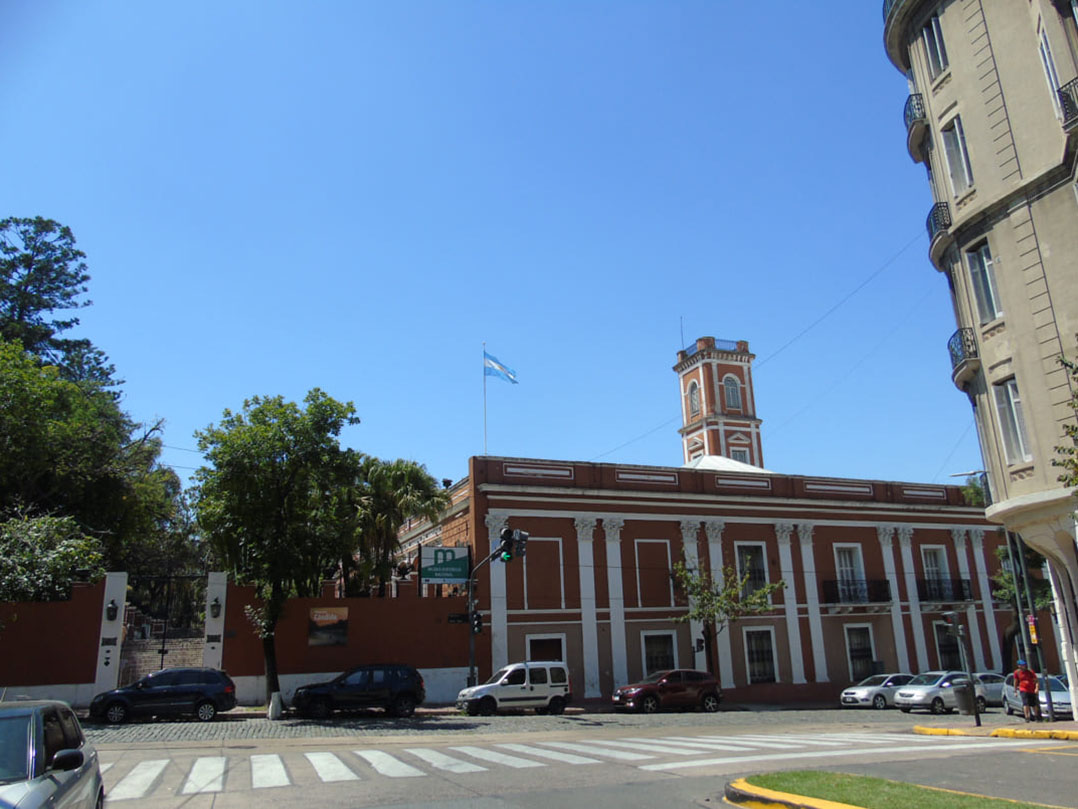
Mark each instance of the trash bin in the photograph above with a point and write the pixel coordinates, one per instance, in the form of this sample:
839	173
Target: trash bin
963	697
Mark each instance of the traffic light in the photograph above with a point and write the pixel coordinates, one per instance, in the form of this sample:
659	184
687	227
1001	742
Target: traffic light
477	622
505	550
520	539
950	620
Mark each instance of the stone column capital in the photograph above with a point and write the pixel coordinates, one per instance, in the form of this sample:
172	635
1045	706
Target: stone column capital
976	536
585	528
496	523
804	533
783	531
885	534
959	537
905	535
714	529
612	526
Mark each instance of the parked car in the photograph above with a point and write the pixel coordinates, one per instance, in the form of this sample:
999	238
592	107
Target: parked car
541	685
877	691
202	693
675	688
1061	698
45	760
396	688
935	691
993	686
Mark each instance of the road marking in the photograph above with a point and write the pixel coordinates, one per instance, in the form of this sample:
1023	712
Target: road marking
207	775
597	750
106	767
553	755
651	746
808	740
268	771
330	768
697	745
497	758
444	762
138	782
741	740
385	764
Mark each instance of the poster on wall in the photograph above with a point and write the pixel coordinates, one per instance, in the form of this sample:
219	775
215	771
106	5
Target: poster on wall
443	565
327	626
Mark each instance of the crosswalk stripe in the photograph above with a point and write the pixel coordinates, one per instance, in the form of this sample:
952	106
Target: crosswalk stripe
330	768
553	755
385	764
697	745
746	742
207	775
105	767
497	758
811	741
138	782
268	771
596	750
444	762
649	746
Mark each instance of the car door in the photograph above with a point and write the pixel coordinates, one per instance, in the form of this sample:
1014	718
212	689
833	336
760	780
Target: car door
379	692
892	685
154	694
350	692
63	784
673	690
512	691
85	788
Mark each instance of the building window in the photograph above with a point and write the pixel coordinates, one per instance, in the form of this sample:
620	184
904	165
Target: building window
658	652
1050	74
750	562
733	392
859	651
694	399
947	648
983	276
958	165
937	575
852	587
740	455
935	51
1011	422
760	656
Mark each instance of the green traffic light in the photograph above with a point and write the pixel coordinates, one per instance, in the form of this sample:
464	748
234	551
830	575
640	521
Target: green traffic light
506	556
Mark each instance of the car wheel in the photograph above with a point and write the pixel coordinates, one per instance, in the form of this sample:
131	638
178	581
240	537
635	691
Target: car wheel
879	702
556	706
403	706
205	711
710	703
982	706
905	710
1010	710
319	708
116	713
649	704
471	709
487	706
938	706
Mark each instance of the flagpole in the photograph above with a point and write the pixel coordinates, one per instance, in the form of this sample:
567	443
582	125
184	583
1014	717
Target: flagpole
484	397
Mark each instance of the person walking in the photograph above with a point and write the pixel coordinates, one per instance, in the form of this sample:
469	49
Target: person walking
1026	683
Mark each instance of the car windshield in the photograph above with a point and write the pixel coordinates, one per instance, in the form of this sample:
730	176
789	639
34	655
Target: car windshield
1055	684
926	679
14	741
876	679
655	677
497	676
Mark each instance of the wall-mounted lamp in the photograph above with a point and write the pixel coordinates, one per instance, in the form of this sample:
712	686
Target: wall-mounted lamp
215	607
112	610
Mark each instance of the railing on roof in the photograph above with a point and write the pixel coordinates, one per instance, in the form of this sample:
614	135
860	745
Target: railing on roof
720	345
1068	102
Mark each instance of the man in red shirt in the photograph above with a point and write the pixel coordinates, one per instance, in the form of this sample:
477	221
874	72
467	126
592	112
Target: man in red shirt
1026	683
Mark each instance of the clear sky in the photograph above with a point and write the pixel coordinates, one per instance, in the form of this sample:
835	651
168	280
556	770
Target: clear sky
356	195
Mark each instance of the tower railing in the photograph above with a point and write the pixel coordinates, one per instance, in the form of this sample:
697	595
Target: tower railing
962	347
1068	103
938	221
914	110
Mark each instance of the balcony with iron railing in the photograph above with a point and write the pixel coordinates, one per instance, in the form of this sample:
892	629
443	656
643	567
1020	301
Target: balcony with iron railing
916	125
855	591
944	590
1068	103
898	15
965	361
938	225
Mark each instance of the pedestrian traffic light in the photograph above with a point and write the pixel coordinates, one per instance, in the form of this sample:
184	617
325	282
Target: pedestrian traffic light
520	539
950	621
477	622
505	550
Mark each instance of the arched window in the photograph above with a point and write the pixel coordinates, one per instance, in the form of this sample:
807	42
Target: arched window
694	398
733	392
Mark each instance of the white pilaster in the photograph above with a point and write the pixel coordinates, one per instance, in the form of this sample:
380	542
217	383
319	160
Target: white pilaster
985	585
714	529
690	530
789	598
615	588
959	537
812	600
585	533
499	634
905	542
885	534
216	601
110	635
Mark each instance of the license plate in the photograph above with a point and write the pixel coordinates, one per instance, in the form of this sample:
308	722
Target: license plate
617	698
849	699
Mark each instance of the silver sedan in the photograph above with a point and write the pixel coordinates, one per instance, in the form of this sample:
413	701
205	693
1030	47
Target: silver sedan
877	691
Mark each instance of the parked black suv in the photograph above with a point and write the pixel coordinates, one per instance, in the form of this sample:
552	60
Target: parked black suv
396	688
199	692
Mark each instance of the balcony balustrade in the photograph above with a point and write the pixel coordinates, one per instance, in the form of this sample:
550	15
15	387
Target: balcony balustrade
944	590
1068	102
965	360
916	124
856	591
939	236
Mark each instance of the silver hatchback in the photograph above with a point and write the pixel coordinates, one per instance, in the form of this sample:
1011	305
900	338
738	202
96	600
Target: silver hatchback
877	691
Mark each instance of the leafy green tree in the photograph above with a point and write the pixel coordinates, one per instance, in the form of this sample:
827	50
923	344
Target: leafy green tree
973	491
717	604
270	500
41	556
1007	585
1067	452
42	272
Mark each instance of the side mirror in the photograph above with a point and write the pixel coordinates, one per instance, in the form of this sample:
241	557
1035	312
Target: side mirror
67	760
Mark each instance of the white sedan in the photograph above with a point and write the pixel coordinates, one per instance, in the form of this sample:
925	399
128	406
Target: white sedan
877	691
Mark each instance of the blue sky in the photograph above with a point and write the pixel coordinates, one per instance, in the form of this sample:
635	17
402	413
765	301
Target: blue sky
356	195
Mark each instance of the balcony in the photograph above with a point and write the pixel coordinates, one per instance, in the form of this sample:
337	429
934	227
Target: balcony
939	236
944	591
897	17
916	124
1068	102
844	594
965	362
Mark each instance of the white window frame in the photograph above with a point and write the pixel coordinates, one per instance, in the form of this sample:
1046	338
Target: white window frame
694	398
646	633
956	153
735	451
860	577
561	568
732	383
560	636
935	48
763	552
770	630
1049	64
846	637
1012	424
945	566
982	275
669	566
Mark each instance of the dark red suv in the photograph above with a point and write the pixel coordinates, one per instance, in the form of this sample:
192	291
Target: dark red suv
676	688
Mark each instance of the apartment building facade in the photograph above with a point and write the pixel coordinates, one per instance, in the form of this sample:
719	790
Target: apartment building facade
992	114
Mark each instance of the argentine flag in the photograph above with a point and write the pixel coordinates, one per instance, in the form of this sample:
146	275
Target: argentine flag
492	366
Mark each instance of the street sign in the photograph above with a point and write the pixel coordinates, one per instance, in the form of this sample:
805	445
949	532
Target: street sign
444	565
458	617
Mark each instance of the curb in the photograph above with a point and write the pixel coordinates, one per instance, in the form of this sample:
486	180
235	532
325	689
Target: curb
742	793
1001	733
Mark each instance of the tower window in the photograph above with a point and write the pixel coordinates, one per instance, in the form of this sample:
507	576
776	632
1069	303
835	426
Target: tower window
733	392
1012	424
954	146
935	51
983	276
694	399
741	455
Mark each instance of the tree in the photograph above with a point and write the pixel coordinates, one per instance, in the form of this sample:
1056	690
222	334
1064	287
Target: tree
1007	589
41	272
41	556
268	502
719	603
1067	453
973	491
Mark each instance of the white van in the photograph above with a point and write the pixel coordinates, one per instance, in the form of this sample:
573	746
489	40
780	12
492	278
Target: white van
541	685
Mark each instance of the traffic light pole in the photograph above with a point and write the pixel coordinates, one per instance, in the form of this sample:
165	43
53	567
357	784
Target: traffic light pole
513	542
472	605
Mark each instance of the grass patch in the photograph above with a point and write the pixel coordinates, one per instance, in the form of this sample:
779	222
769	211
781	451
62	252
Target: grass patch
877	793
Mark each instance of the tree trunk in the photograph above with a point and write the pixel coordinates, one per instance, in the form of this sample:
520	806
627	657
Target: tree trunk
709	648
269	651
